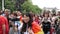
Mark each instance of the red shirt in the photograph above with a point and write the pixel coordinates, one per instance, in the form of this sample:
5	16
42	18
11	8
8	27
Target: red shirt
4	20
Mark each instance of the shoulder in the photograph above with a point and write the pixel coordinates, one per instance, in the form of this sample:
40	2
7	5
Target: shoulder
3	18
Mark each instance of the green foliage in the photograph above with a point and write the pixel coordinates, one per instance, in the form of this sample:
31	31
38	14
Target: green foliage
9	4
28	6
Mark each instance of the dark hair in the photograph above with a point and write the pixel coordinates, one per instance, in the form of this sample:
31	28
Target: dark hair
53	14
29	23
45	13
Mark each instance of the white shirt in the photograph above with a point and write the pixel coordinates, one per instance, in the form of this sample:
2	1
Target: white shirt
19	23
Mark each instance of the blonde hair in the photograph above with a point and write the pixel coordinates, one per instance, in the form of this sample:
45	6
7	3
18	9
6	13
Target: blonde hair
7	10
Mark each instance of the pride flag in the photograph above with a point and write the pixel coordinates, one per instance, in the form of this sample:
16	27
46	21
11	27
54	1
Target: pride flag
36	28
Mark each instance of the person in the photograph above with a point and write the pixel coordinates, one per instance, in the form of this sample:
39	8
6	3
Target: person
1	11
4	27
36	19
17	23
19	15
6	13
58	13
30	26
56	20
46	23
13	29
58	26
58	31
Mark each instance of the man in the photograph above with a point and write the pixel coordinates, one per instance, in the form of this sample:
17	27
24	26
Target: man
4	28
6	12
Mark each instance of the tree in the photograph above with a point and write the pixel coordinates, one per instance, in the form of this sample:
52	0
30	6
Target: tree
9	4
13	4
24	5
28	6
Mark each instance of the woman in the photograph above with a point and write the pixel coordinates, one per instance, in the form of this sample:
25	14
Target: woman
46	23
29	26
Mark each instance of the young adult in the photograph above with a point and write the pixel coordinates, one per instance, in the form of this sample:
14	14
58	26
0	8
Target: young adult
46	23
30	26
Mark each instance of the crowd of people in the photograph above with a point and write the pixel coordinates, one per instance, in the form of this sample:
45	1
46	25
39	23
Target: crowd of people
15	22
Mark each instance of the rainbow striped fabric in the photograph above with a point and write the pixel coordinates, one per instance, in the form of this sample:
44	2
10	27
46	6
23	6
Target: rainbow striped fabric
36	28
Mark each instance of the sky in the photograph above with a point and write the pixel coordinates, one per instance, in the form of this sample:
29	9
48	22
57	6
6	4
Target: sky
47	3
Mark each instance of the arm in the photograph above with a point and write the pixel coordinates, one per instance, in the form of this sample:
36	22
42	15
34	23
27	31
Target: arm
30	31
4	28
3	24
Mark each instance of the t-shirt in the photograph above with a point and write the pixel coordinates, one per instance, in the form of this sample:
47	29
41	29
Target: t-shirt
46	26
19	24
4	20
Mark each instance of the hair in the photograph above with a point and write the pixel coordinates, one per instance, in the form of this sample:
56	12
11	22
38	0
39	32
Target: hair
45	13
7	10
53	14
29	23
14	13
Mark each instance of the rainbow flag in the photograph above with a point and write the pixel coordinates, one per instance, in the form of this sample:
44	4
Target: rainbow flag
36	28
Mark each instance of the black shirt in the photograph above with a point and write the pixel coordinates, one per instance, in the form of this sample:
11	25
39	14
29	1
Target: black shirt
46	26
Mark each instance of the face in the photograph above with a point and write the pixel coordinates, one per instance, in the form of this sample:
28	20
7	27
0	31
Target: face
33	18
35	15
26	19
46	15
18	13
11	15
7	12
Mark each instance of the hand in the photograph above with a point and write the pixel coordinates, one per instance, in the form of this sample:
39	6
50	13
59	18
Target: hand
30	31
15	29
